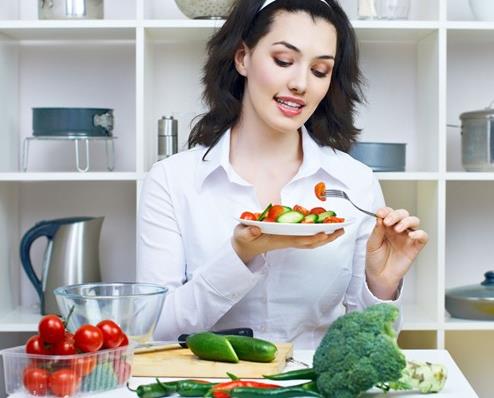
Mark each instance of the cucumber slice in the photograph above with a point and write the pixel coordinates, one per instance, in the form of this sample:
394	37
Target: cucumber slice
310	219
291	217
265	212
326	214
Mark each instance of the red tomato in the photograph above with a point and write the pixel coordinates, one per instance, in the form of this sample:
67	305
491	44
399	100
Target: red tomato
51	329
123	371
276	211
333	219
64	382
88	338
125	340
83	365
269	219
319	191
247	215
317	210
112	334
36	380
35	345
66	346
301	209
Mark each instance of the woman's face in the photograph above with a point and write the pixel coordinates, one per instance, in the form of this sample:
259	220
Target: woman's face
289	71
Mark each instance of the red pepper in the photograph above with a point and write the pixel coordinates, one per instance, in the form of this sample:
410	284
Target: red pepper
222	390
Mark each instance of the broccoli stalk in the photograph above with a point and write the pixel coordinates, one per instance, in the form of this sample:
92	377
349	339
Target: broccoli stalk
360	351
425	377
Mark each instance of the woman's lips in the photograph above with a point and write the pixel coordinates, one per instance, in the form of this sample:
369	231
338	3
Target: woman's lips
288	107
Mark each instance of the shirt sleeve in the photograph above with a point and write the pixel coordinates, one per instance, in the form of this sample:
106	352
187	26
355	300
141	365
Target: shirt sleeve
358	295
190	305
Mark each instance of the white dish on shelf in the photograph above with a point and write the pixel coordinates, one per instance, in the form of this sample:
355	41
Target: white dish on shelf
482	10
298	229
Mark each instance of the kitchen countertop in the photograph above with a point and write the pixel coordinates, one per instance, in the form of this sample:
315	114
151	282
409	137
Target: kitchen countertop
456	386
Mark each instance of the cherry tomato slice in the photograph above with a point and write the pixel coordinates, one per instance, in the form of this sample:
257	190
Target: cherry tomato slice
275	211
319	191
301	209
247	215
51	329
317	210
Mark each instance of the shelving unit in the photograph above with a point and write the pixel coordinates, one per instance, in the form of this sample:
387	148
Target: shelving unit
144	60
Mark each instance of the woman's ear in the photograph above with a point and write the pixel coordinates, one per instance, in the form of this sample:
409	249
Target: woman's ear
241	59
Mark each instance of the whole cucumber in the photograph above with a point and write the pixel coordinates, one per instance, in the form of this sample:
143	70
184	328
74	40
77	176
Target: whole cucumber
252	349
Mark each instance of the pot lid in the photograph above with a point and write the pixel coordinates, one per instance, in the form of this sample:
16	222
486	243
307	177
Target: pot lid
480	114
483	290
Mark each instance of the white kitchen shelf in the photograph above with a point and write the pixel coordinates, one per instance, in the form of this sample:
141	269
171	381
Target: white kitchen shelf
22	319
421	74
69	176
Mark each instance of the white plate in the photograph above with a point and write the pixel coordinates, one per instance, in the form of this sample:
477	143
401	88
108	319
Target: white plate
276	228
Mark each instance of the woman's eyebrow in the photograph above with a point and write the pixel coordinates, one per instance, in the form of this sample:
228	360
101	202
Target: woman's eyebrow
292	47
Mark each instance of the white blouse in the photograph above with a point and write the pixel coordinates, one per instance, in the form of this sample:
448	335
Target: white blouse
187	215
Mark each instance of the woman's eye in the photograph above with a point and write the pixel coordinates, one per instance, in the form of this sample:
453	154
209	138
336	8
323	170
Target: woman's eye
281	63
318	73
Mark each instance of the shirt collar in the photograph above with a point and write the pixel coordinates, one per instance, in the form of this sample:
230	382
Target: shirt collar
315	158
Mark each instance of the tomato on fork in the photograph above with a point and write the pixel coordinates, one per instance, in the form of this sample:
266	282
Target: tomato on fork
319	190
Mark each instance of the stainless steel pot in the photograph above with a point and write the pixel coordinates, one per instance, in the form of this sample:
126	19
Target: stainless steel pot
70	9
380	156
473	301
477	139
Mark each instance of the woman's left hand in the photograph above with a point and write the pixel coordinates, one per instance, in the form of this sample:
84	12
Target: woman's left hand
391	249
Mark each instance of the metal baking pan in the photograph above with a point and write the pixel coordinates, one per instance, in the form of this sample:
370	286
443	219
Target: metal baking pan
68	122
380	156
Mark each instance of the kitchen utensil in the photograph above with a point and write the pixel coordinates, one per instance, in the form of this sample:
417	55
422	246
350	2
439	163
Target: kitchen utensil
336	193
167	137
181	362
134	306
70	9
71	255
483	10
111	369
182	340
380	156
383	9
472	301
477	139
205	9
86	122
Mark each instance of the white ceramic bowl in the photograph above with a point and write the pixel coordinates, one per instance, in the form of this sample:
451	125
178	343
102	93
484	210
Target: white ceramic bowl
205	9
483	10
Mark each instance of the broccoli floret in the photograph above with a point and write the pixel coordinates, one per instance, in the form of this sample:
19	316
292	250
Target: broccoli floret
359	351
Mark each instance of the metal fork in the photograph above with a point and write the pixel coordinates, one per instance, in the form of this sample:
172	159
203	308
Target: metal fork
336	193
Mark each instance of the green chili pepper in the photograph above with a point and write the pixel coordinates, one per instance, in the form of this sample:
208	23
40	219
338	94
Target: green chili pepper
193	388
299	374
155	390
282	392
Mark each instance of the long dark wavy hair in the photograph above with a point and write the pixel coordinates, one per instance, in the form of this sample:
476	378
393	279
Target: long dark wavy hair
331	124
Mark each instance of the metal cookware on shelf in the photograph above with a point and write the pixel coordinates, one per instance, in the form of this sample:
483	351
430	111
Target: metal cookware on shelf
60	122
380	156
472	301
70	9
477	139
205	9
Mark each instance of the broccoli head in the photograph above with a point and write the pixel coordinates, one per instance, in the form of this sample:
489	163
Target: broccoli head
359	351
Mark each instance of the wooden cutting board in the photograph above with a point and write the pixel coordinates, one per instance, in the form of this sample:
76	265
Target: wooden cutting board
175	361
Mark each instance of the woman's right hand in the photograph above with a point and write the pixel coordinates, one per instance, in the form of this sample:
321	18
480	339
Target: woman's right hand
248	241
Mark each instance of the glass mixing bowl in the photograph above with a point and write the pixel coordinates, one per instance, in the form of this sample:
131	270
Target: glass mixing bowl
135	307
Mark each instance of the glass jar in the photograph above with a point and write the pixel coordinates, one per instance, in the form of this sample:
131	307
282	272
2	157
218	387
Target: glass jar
383	9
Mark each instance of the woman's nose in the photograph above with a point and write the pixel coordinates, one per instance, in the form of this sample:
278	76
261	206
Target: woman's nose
298	82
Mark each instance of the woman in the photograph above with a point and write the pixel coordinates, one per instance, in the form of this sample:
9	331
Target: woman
282	82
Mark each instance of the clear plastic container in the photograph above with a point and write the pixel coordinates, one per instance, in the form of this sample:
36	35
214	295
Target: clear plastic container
68	375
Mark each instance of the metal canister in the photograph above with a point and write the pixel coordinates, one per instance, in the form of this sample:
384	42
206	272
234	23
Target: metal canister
167	137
